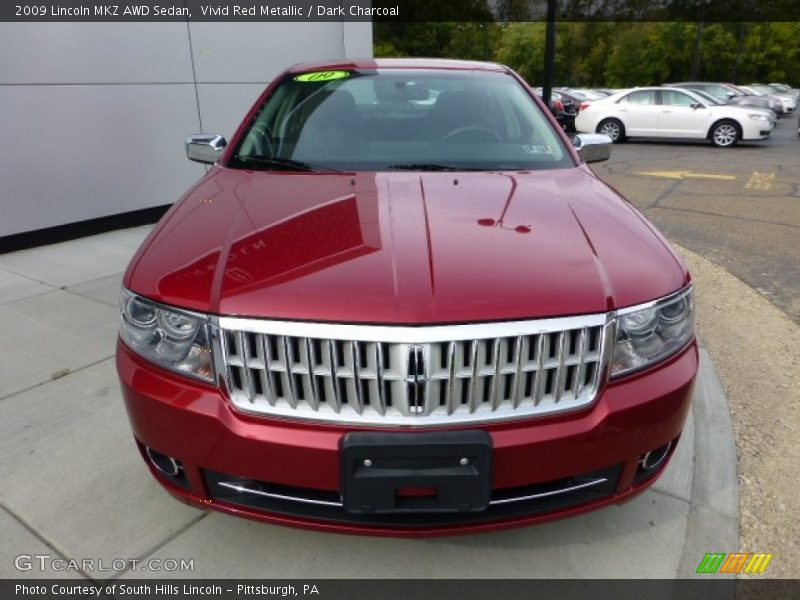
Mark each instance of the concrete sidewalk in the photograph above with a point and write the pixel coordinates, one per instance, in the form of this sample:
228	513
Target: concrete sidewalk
73	485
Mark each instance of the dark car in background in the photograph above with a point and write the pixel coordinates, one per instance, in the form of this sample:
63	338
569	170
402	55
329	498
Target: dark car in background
564	107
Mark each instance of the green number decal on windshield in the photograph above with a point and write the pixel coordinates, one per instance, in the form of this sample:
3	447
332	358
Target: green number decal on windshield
322	76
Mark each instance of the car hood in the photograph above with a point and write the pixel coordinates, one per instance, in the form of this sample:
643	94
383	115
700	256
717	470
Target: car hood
404	247
745	109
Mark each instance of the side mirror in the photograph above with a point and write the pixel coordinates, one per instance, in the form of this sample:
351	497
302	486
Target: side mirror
592	147
205	148
731	95
695	105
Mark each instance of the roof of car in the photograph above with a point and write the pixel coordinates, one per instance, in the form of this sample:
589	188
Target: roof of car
650	88
398	63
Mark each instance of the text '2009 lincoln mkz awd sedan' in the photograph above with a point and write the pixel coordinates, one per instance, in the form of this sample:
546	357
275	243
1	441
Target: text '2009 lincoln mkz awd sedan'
400	303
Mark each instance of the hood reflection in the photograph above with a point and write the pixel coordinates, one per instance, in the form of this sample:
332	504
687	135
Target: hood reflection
313	240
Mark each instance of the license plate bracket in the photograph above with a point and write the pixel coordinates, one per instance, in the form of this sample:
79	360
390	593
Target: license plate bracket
438	472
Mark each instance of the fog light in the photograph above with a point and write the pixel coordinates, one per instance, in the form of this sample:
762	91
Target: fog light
650	461
166	465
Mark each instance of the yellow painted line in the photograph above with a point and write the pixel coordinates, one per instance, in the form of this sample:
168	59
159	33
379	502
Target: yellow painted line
760	181
686	175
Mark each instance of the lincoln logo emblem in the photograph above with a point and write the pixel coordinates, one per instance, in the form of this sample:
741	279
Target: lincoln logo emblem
415	379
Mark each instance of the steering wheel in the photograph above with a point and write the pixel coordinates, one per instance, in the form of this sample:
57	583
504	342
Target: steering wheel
491	133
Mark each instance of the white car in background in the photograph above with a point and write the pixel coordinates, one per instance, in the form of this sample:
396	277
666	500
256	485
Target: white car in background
667	112
788	101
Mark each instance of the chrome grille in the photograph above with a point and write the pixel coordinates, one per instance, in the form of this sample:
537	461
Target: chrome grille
412	376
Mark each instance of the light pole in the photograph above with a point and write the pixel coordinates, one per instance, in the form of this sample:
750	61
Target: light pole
549	52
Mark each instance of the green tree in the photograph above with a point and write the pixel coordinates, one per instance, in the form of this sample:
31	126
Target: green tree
607	54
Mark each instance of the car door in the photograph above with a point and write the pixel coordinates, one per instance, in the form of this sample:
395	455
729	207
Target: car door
681	115
639	113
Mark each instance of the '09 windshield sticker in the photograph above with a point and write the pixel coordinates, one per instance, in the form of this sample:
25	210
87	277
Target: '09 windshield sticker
321	76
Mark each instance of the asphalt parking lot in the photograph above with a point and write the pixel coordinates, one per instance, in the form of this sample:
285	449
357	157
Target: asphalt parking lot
75	487
735	214
739	207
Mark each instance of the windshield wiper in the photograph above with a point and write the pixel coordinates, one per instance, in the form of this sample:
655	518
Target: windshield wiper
430	167
289	163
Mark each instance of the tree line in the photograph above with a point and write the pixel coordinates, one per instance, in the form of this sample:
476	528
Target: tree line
598	54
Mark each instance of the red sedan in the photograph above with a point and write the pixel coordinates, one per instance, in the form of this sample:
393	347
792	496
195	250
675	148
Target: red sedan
399	302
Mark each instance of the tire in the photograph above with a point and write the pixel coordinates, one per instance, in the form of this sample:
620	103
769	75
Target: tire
725	134
613	128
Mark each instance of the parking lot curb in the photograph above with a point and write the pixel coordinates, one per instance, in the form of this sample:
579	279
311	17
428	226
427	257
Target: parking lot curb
713	521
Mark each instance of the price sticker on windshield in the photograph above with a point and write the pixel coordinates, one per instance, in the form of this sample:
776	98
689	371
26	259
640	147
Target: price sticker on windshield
321	76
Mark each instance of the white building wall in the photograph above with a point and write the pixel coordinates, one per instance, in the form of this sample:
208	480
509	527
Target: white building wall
94	114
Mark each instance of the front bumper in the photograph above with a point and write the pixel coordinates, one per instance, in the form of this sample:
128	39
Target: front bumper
757	130
287	460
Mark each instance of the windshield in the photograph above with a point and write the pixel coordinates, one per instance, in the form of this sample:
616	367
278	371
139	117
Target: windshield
398	119
708	97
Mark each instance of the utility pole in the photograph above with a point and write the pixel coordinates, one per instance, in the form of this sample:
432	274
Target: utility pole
549	52
698	42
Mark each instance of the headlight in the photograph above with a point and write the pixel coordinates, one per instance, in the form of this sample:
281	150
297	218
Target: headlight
174	339
758	116
651	332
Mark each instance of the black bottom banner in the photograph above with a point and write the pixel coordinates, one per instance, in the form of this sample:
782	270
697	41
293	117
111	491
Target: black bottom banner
408	589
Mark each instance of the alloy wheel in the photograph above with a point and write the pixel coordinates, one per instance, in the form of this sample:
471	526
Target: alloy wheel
725	134
611	129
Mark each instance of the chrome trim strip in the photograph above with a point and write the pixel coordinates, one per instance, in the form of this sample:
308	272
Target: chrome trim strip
665	299
176	468
287	359
410	335
312	376
583	344
270	387
518	374
650	467
334	357
537	390
450	382
551	493
473	379
246	490
379	377
494	385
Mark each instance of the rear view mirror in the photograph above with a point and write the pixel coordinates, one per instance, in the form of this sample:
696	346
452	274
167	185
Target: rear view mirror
592	147
402	91
205	148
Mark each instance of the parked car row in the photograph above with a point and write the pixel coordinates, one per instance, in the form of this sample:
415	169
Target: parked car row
721	112
564	102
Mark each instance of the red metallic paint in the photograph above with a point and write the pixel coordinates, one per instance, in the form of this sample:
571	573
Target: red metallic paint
196	424
411	248
404	247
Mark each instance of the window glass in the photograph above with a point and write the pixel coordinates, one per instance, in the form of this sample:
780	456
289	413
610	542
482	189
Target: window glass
673	98
389	119
718	91
643	97
708	98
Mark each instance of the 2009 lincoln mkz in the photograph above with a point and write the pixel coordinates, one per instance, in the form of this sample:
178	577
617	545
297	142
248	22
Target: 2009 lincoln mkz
399	302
